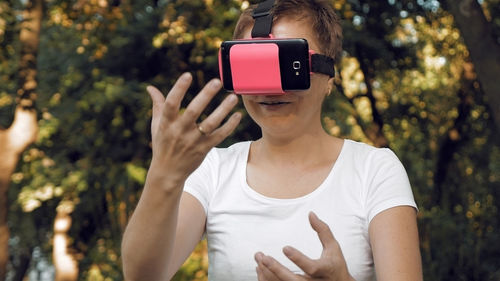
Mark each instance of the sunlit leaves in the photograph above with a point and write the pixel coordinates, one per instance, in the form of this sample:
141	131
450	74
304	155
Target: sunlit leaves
3	22
93	146
195	268
137	173
421	98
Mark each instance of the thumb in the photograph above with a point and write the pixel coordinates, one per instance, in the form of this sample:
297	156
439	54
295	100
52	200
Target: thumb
323	230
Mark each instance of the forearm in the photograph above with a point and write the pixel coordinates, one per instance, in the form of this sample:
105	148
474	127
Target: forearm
149	238
179	147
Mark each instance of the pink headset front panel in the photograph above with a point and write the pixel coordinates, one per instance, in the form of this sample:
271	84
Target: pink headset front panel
255	69
311	52
220	66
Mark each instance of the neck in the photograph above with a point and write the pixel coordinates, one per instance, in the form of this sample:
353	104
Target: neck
307	149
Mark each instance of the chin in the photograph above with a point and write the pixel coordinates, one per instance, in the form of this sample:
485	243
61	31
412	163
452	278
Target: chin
275	126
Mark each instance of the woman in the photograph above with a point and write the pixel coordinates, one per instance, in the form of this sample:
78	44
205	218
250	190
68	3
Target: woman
258	202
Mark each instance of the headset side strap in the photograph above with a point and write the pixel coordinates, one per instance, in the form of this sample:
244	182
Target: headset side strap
322	64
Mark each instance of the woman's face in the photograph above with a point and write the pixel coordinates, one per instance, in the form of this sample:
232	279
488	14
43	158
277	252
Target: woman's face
298	112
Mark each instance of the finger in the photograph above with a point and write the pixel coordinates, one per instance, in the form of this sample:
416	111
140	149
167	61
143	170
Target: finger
267	275
217	116
309	266
276	270
157	98
225	130
263	273
324	233
258	257
260	274
260	268
200	101
175	96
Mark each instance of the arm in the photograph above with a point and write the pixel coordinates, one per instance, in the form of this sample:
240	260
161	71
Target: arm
166	223
163	230
190	229
395	245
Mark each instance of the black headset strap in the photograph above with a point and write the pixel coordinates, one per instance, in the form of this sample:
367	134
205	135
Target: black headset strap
323	64
262	28
263	19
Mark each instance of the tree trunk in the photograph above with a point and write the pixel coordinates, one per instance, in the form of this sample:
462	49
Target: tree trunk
443	195
484	50
24	264
64	262
374	130
22	132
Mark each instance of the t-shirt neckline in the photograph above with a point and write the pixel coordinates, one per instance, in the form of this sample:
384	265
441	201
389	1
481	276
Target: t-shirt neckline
243	162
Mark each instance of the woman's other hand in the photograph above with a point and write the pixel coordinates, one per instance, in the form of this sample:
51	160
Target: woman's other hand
179	143
330	266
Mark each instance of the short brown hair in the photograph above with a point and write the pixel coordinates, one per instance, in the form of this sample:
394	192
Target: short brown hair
320	13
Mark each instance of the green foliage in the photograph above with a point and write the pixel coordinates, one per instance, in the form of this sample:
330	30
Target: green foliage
195	269
93	146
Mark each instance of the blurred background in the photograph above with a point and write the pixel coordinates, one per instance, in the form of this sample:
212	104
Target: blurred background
418	76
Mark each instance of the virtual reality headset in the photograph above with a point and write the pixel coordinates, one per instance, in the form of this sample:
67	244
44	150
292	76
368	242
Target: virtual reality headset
265	65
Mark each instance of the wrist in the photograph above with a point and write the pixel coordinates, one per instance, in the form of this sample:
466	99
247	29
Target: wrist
160	178
348	277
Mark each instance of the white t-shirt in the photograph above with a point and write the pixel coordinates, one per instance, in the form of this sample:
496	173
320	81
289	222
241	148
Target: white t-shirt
240	221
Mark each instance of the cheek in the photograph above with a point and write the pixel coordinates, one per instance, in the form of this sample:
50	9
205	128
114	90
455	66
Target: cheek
248	106
319	85
245	102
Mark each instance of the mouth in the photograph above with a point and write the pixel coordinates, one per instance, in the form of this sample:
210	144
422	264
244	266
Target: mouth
273	102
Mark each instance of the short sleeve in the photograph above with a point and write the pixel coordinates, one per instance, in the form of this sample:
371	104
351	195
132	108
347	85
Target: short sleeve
387	184
202	181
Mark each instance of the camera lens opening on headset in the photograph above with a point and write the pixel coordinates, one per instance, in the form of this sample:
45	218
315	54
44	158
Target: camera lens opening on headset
296	65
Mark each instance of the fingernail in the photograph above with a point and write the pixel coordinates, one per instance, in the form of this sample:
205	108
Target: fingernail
313	214
233	98
258	256
150	89
186	76
216	83
238	115
266	260
287	250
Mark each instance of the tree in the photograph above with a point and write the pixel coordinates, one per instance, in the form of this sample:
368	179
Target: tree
484	48
23	130
407	81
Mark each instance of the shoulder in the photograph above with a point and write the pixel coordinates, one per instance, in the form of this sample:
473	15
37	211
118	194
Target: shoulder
366	154
385	183
237	150
219	159
222	158
234	148
373	164
218	165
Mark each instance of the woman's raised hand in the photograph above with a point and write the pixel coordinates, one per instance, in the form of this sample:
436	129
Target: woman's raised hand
331	266
179	143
